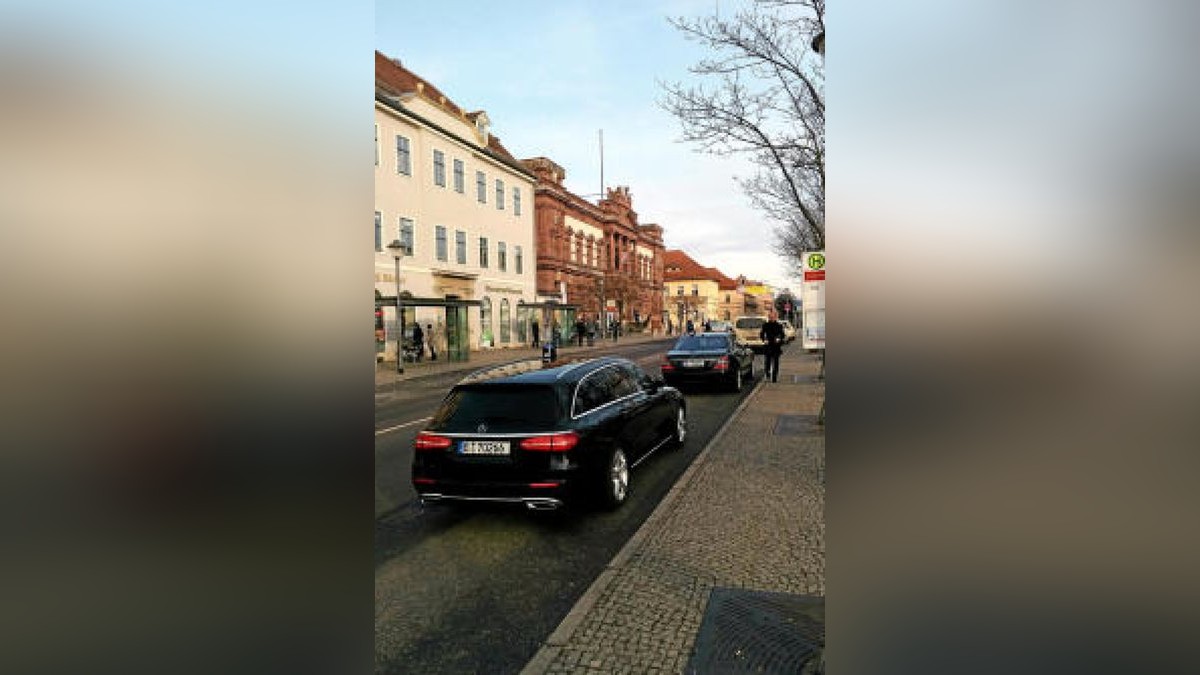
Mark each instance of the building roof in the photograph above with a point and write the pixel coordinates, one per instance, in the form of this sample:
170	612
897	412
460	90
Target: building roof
679	266
393	78
723	282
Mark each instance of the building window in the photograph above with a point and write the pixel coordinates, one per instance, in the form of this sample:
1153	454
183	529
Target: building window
499	195
505	322
460	247
441	242
517	258
695	290
406	235
483	251
727	298
439	168
485	321
679	290
480	187
378	231
458	176
403	156
501	257
516	201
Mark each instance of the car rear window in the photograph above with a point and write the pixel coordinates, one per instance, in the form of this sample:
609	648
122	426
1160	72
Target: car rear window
701	342
503	409
750	322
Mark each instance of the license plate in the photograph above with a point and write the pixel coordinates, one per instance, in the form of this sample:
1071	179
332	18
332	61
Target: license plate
693	363
484	448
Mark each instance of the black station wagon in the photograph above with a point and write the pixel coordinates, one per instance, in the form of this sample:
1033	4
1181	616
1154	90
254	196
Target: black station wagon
538	434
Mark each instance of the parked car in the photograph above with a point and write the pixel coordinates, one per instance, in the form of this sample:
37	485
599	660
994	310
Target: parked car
708	358
542	434
719	327
789	331
746	328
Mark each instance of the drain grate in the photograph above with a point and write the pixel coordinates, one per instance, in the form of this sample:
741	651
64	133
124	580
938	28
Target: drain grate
758	632
794	425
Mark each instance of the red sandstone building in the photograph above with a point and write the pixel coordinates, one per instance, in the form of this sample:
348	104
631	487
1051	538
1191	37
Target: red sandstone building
596	257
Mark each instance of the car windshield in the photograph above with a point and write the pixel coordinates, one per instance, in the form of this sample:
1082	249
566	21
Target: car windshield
500	409
750	322
702	342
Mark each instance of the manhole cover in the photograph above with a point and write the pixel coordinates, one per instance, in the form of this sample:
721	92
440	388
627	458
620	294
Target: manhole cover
758	632
794	425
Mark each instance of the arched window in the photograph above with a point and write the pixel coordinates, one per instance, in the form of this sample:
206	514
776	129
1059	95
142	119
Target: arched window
505	322
485	322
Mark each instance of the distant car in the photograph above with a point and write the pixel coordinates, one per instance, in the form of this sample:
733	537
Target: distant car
542	435
708	358
719	327
746	328
789	331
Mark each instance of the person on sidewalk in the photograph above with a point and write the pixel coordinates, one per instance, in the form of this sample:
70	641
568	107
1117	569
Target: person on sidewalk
580	329
418	342
690	328
432	339
772	334
536	338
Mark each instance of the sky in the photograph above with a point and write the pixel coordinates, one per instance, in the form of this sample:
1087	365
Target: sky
551	75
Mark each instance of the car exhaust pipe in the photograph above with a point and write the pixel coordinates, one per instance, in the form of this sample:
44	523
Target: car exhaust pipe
542	504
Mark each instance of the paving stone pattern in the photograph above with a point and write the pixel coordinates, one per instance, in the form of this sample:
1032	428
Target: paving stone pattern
750	515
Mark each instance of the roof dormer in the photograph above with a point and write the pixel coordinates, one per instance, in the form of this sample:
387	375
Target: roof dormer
482	126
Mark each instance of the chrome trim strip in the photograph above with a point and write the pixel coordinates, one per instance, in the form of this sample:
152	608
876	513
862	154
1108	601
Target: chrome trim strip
650	452
546	501
455	434
575	396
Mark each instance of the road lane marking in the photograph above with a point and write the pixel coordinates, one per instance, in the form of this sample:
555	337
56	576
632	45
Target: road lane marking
401	426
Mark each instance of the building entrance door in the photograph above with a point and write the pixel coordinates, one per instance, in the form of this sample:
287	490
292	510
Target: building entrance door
457	333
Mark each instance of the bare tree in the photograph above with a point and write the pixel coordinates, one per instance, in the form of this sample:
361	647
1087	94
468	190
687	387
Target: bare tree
762	93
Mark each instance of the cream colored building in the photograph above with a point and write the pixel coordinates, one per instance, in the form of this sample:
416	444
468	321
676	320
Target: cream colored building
461	206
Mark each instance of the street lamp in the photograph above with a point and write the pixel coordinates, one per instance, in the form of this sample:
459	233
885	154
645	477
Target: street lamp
397	250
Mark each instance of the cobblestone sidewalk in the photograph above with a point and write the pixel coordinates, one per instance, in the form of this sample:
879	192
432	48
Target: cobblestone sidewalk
749	513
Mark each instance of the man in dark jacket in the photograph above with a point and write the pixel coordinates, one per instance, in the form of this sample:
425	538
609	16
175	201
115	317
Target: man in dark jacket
772	334
418	338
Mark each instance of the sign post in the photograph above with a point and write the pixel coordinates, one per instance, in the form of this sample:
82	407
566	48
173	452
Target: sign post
813	299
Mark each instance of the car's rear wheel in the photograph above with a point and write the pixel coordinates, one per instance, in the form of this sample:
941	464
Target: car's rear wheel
680	432
615	486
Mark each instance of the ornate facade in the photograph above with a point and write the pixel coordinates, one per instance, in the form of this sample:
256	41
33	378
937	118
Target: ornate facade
596	256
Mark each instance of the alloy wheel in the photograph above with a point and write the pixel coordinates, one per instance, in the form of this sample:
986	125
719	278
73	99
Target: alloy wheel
618	477
680	426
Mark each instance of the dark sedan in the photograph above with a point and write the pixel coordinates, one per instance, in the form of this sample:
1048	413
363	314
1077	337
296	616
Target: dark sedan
539	435
709	358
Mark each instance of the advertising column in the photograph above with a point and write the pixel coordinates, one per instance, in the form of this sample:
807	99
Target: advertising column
813	299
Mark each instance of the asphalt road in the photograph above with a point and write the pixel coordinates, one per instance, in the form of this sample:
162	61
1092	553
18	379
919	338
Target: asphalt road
477	588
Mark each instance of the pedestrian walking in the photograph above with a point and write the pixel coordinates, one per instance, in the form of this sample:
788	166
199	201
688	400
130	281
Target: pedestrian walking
536	339
691	327
772	334
418	342
707	326
432	340
580	329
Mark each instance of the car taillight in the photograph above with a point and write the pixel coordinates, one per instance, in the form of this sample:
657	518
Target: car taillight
425	441
666	365
551	443
722	363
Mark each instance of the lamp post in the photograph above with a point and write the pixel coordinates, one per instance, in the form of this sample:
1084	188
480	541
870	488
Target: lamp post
397	250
